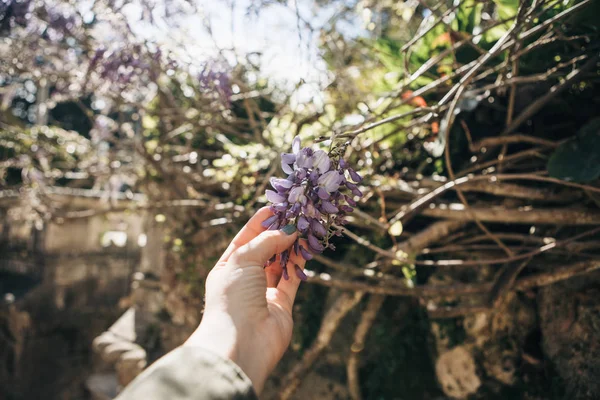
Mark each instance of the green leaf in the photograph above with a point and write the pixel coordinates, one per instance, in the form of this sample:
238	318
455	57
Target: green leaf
507	8
578	159
468	16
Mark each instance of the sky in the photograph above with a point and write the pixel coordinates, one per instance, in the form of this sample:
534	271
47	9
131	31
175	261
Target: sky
289	48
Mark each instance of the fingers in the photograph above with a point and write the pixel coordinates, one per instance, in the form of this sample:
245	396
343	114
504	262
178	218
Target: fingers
273	274
260	249
290	287
252	229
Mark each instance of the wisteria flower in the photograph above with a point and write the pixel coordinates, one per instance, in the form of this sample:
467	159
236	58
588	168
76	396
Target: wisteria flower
318	193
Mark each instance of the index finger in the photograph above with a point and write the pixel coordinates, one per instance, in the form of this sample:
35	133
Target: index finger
252	229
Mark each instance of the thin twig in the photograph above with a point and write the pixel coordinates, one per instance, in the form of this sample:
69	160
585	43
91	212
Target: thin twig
462	289
464	201
503	284
554	91
524	215
519	138
422	202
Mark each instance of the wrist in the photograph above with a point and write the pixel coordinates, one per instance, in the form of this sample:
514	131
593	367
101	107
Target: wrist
221	336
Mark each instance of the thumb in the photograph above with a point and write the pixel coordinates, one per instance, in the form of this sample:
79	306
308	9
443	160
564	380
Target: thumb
260	249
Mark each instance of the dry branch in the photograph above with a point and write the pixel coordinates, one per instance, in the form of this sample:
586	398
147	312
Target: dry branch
521	192
364	326
512	139
526	215
428	291
537	105
417	242
430	235
331	321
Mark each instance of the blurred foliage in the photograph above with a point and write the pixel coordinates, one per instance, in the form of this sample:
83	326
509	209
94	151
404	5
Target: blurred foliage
579	158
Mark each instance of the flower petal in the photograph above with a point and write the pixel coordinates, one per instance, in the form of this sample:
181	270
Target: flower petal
275	226
330	181
321	161
274	197
354	189
280	207
288	158
299	273
317	228
269	221
328	207
296	208
296	145
303	223
322	193
304	159
286	168
285	183
354	175
346	209
314	244
295	194
314	177
357	192
300	175
305	254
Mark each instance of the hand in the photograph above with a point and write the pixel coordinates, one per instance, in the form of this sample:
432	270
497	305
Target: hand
248	312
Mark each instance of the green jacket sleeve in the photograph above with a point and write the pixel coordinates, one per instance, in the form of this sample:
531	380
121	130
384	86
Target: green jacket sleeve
189	373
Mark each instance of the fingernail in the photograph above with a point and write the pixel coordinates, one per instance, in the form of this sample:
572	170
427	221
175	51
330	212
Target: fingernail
289	229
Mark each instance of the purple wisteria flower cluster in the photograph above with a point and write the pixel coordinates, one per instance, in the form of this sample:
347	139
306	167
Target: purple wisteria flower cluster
319	192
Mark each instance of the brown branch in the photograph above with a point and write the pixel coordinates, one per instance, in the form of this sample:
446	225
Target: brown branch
535	78
364	326
525	215
504	282
331	321
580	219
454	312
554	91
364	242
370	220
405	211
417	242
428	291
352	270
384	121
464	201
422	34
557	17
561	274
431	234
537	152
484	261
521	192
519	138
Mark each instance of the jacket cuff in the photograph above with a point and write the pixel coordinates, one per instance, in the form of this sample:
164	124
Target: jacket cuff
191	373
